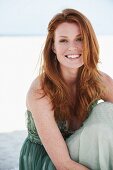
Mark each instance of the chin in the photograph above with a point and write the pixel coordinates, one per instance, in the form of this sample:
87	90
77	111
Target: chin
75	67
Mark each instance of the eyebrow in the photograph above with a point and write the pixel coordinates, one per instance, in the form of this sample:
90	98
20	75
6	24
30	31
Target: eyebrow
63	36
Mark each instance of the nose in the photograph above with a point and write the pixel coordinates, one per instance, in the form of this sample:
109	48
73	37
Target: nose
72	46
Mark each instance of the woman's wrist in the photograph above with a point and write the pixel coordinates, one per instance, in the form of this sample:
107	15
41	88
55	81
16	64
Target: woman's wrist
72	165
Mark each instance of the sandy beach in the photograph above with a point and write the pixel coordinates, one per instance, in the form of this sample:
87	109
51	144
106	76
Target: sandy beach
10	145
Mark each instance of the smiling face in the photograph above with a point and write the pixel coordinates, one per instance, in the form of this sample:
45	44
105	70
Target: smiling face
68	45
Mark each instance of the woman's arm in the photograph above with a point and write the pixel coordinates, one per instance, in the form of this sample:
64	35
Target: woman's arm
48	130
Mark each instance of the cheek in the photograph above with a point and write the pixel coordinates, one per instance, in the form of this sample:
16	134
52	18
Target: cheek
60	49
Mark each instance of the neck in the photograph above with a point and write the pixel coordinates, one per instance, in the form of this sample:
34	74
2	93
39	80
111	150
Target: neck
69	76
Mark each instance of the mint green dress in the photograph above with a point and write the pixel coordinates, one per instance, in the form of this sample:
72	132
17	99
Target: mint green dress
91	145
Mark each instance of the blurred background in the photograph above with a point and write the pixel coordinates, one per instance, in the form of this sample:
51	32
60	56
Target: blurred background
23	28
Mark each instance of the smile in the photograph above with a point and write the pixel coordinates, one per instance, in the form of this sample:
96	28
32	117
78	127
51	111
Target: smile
74	56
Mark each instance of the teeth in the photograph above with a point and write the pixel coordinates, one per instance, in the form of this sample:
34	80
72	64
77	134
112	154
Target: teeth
73	56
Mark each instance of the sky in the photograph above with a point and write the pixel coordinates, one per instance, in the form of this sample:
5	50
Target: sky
31	17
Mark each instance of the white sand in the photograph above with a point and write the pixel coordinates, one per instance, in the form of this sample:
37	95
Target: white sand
10	145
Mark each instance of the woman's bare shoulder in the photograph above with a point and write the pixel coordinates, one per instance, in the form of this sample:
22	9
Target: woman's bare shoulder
106	79
34	92
104	75
36	83
108	83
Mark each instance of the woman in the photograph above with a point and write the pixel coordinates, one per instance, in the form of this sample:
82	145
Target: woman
67	128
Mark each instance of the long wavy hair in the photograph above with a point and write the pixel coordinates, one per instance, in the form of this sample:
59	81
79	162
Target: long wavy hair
88	87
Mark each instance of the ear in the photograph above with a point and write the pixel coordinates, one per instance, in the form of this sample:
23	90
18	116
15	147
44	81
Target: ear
53	48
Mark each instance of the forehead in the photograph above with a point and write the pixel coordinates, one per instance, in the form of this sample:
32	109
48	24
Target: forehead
67	29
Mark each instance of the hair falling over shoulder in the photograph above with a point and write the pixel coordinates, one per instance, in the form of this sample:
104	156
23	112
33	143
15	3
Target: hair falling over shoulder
89	87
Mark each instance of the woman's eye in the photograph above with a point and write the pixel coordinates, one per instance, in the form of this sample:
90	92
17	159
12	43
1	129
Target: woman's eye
79	39
63	41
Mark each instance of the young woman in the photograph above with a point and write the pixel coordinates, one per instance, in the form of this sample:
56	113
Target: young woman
67	128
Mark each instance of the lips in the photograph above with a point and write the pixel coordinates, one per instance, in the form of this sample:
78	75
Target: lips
73	56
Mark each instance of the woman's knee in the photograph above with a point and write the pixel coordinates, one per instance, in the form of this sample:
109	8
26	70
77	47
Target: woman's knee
101	113
103	106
